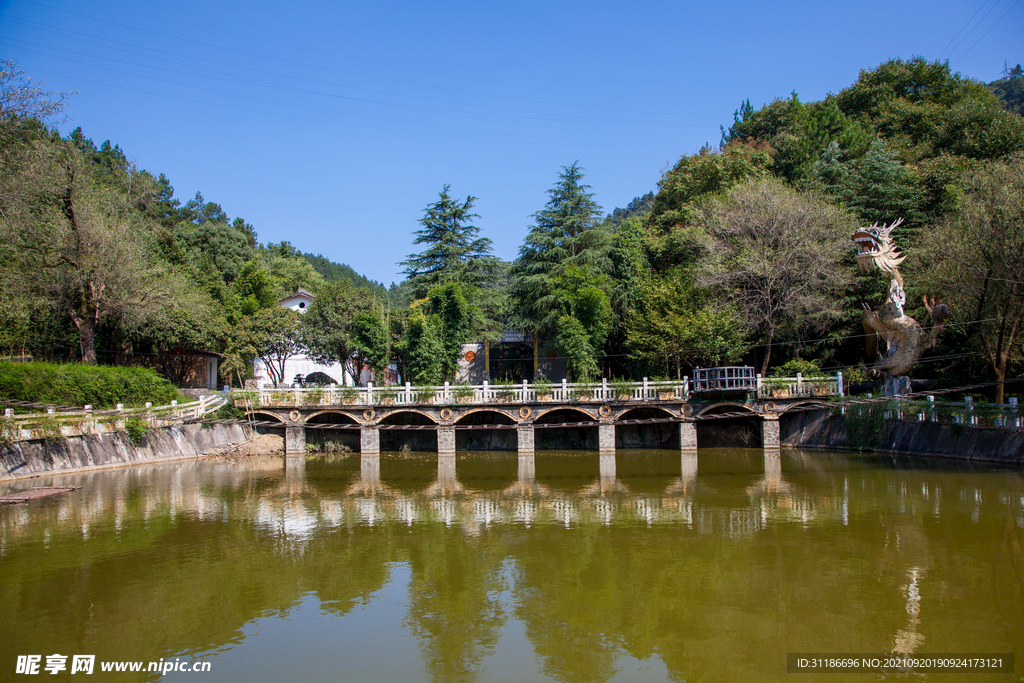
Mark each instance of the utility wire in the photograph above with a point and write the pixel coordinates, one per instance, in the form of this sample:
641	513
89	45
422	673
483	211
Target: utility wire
974	28
962	28
986	33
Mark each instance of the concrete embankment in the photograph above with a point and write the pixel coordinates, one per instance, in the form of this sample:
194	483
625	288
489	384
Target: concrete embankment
820	429
114	449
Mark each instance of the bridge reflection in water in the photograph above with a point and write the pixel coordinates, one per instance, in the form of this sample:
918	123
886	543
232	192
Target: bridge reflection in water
600	496
566	566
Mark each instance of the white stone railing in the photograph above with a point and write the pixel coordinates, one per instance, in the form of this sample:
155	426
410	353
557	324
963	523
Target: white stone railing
800	387
63	423
966	412
475	394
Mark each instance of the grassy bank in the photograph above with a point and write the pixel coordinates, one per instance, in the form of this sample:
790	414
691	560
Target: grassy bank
73	384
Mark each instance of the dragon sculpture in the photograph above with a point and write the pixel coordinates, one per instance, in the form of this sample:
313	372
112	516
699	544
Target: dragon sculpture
904	338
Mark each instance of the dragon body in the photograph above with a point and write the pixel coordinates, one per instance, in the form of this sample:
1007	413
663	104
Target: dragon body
904	339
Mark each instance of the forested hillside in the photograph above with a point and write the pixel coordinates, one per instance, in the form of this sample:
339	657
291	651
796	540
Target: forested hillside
743	254
103	263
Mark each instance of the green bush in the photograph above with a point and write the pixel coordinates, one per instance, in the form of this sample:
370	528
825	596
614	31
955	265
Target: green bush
790	368
136	429
73	384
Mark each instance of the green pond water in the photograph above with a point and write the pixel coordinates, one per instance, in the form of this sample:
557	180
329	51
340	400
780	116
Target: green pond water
646	566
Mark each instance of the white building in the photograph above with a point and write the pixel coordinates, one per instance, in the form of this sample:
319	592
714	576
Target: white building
302	365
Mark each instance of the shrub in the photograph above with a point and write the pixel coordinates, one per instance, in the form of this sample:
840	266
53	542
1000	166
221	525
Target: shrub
790	368
463	391
74	384
543	387
136	429
622	387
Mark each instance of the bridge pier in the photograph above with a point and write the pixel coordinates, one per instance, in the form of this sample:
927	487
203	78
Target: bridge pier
295	440
606	438
770	433
369	440
524	440
446	440
688	436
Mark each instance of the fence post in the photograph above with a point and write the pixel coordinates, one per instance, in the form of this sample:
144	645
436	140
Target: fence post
799	384
644	396
369	393
1013	409
686	388
565	389
447	394
483	395
526	389
604	388
969	403
839	385
408	393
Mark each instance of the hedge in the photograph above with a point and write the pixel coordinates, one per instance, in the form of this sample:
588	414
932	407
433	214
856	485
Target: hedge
73	384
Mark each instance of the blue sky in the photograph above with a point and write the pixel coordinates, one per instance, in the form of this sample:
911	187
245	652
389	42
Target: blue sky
333	124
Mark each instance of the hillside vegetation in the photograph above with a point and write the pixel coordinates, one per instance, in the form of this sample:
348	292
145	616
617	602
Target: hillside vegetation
743	253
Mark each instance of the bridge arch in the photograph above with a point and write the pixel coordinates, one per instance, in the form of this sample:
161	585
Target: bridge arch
332	417
267	416
424	439
485	416
554	414
342	432
409	416
566	438
725	407
482	438
740	431
656	435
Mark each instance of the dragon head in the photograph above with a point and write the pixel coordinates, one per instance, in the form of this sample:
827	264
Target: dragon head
875	246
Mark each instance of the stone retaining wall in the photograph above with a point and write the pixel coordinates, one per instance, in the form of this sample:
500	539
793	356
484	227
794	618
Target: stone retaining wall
820	429
114	449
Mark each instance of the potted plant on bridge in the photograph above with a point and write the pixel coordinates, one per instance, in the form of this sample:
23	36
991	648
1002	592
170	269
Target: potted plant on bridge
463	393
544	390
349	395
665	393
623	389
504	391
387	395
426	395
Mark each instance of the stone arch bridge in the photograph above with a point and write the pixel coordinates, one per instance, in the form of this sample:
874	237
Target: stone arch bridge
524	418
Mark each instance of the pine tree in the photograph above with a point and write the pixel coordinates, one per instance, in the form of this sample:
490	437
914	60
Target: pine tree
567	233
455	253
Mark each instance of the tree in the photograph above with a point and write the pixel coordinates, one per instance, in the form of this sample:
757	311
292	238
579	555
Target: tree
673	241
330	326
567	233
24	105
373	338
775	256
272	335
455	320
455	252
78	246
674	320
975	260
423	350
587	311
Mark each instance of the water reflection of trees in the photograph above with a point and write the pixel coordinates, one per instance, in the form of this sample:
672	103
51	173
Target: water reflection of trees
159	561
